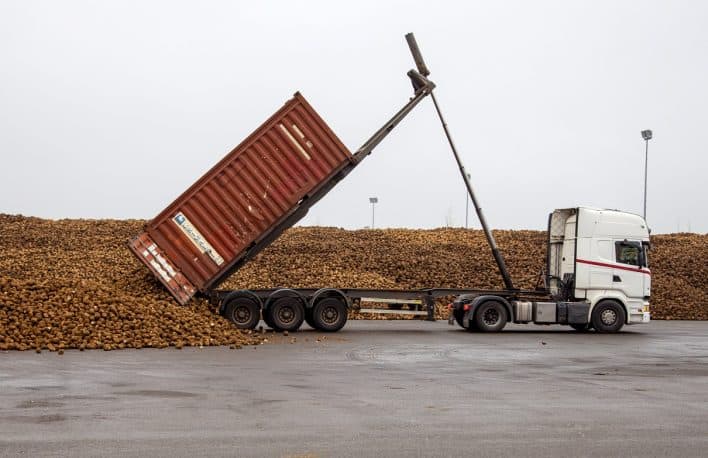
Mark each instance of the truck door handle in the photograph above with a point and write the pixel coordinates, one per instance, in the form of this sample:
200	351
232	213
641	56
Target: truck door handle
616	278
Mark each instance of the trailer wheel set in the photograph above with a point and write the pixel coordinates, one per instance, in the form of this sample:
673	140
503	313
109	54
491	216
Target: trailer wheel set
286	310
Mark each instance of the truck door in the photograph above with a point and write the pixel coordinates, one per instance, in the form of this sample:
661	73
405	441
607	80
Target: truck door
629	273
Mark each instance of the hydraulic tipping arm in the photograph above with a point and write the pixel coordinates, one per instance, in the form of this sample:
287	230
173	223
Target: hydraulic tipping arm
498	258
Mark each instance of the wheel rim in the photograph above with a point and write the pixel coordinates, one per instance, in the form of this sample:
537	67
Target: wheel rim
490	317
242	314
330	314
286	314
608	317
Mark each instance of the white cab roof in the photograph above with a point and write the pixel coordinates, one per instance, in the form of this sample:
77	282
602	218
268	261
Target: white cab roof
597	222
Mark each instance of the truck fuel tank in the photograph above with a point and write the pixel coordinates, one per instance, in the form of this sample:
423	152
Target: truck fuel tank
544	312
523	311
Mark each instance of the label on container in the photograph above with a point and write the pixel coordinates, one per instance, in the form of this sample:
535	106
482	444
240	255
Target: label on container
197	238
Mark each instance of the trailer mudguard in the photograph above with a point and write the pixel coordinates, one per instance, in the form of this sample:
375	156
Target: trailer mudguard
479	300
284	292
240	293
329	292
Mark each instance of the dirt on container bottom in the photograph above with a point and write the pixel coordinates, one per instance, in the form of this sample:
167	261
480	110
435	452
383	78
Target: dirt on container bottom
74	284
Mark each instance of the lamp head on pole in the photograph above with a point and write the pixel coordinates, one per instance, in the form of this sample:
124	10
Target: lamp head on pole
646	134
373	200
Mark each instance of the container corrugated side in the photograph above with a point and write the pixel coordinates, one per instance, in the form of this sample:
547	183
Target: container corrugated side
237	203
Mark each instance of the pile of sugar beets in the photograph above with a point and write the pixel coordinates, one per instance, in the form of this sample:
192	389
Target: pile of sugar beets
73	283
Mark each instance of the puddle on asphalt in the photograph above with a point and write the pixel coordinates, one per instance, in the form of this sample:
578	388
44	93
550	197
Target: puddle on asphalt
160	393
38	404
35	419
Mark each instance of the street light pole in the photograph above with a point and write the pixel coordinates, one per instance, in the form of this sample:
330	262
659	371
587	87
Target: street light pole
646	135
373	201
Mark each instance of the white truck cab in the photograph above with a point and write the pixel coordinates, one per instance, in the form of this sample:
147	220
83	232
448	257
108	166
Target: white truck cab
597	276
599	257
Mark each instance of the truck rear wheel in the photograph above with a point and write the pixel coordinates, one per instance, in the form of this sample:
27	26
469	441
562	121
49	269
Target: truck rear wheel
286	314
490	317
243	312
459	315
329	315
608	316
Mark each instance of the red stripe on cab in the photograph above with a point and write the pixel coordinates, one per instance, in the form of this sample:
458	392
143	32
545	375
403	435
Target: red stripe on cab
615	266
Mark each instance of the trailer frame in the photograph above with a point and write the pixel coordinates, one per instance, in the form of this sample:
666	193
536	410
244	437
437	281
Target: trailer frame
353	297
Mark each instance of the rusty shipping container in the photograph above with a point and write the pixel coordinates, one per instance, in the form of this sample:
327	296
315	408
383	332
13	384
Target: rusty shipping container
244	202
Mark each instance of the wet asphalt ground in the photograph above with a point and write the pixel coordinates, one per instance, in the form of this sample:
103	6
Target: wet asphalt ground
404	388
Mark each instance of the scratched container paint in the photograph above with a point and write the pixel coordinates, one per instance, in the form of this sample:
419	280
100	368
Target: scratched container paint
262	187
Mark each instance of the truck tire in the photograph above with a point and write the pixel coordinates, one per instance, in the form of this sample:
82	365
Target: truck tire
329	315
608	316
243	312
286	314
308	318
268	321
584	327
490	317
459	315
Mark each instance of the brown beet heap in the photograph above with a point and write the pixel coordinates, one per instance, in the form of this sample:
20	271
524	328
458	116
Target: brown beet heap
74	284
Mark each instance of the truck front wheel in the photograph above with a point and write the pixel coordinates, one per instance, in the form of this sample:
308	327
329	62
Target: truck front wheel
490	317
608	316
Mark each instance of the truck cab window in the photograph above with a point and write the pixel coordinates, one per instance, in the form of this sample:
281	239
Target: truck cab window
627	253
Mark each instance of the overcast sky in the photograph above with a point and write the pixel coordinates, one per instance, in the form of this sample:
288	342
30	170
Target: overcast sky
111	109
